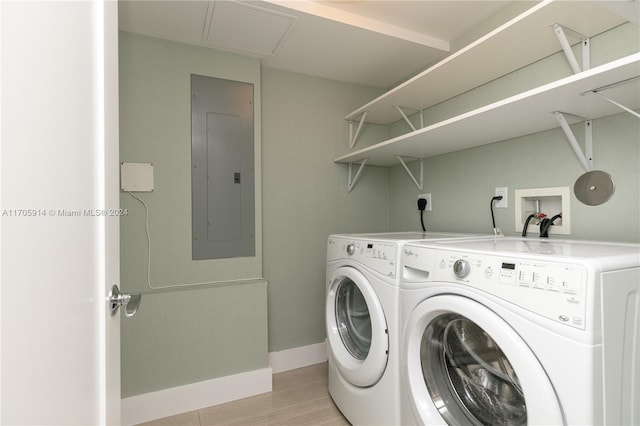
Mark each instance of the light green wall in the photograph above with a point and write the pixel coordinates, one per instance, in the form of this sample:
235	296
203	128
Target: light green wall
305	197
193	333
155	127
463	183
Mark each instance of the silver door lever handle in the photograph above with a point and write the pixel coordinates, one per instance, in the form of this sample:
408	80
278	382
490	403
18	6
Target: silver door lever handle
131	302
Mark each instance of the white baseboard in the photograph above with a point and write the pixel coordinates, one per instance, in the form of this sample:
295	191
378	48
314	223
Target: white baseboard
290	359
182	399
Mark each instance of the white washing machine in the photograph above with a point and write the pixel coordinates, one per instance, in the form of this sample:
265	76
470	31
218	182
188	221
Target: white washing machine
362	316
520	331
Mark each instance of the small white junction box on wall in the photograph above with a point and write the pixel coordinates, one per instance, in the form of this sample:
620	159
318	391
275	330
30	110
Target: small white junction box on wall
136	177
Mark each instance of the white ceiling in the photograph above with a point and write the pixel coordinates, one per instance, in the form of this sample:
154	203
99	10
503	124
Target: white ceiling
376	43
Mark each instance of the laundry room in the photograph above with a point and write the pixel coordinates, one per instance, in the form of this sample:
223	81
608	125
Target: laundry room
217	328
304	199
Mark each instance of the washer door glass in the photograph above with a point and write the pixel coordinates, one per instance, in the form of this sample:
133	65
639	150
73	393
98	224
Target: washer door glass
356	327
352	317
468	375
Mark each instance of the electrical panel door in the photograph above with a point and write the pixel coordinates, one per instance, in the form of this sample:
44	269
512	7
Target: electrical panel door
223	195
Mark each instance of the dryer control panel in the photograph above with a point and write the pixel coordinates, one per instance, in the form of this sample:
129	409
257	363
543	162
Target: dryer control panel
379	256
555	290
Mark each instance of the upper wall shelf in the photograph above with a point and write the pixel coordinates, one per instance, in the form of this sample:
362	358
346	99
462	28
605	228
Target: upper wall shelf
515	44
525	113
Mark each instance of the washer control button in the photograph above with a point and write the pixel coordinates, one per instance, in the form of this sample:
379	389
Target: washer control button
351	248
488	272
461	268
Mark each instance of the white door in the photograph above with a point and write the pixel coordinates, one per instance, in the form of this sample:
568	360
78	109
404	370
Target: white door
59	253
356	327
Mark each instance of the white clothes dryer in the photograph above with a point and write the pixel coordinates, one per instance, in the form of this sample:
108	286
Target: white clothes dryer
363	331
518	331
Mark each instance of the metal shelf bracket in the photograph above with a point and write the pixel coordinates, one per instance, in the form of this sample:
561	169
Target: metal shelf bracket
561	33
354	137
402	113
585	158
619	105
353	179
629	110
419	183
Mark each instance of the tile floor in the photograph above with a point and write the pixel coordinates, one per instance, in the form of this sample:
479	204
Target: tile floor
299	397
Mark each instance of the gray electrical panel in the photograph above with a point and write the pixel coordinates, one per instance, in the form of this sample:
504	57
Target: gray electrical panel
222	172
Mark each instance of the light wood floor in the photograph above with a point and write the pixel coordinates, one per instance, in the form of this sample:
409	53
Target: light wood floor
299	397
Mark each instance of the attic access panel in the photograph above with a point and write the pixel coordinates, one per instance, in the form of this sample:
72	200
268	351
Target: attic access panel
246	27
222	172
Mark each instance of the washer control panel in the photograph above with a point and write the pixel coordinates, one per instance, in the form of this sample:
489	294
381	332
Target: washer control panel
554	290
380	256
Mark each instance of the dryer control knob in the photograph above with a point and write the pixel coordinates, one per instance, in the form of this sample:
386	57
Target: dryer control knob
461	268
351	248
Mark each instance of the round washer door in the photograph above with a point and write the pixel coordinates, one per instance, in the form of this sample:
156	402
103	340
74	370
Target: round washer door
356	327
466	365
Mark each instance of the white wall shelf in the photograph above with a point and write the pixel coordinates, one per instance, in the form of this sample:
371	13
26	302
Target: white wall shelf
529	112
530	34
